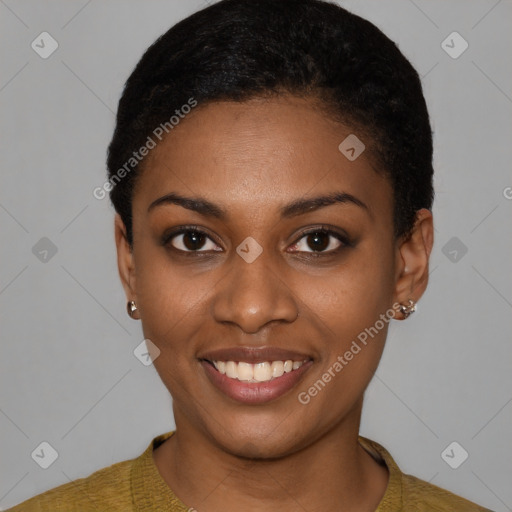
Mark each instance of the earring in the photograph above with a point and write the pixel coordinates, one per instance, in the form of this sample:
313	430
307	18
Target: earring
408	309
131	307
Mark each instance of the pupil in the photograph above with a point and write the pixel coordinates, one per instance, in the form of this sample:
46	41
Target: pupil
191	239
318	245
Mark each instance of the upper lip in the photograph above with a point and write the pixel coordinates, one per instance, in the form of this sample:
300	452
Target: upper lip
254	354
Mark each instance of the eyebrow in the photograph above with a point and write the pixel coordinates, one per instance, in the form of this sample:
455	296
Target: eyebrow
297	207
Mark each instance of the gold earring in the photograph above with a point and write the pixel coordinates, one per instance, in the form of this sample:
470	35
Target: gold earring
131	307
408	309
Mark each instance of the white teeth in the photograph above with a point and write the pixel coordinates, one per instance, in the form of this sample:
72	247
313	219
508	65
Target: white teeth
245	371
258	372
277	368
262	372
231	370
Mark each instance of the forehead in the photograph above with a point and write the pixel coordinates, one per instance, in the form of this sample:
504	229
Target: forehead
261	154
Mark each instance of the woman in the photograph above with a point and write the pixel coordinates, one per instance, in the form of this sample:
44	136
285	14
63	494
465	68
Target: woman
271	170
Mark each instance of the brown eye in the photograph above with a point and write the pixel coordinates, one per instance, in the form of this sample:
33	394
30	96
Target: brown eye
191	240
318	241
321	241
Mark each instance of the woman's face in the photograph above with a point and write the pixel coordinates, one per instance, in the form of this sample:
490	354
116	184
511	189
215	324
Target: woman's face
253	287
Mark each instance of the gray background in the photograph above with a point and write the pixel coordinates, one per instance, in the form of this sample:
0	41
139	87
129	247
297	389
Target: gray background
68	372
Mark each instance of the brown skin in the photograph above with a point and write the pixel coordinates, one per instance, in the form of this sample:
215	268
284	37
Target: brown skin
251	159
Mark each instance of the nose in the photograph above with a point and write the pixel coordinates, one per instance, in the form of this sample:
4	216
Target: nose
254	294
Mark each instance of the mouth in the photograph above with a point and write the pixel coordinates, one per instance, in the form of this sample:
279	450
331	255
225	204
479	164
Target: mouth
255	376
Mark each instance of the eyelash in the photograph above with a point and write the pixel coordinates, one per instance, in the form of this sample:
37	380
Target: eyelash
343	238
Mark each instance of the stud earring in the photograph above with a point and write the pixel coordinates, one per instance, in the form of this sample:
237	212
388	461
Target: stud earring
131	307
408	309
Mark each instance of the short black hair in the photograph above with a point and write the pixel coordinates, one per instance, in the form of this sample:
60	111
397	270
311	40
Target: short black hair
236	50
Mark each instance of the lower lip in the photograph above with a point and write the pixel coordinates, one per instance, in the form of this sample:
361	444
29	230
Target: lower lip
255	392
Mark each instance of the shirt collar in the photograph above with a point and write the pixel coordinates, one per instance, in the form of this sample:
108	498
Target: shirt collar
392	499
150	492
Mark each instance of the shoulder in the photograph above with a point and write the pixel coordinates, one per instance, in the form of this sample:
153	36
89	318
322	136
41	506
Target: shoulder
106	489
426	497
406	492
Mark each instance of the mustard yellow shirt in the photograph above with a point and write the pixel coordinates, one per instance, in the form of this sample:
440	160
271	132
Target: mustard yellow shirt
136	485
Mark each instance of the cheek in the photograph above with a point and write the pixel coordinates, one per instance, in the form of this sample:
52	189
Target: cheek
353	295
168	296
351	312
351	316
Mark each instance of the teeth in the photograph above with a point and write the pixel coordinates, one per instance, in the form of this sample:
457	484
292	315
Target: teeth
277	368
221	366
245	371
262	372
258	372
231	370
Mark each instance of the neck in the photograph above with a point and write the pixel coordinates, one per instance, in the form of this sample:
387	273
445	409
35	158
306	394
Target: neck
332	473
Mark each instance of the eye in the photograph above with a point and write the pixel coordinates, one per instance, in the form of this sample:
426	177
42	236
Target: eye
190	239
321	240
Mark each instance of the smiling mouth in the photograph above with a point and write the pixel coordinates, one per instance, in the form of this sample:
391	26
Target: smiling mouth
265	371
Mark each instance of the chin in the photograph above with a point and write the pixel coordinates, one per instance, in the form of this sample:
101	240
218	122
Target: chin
269	438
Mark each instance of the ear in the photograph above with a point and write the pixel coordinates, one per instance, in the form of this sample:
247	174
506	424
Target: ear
413	255
125	261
